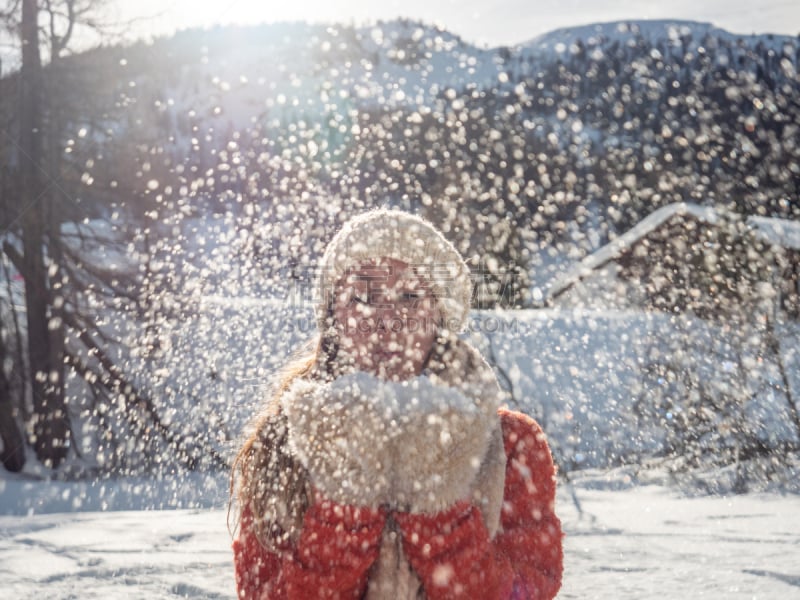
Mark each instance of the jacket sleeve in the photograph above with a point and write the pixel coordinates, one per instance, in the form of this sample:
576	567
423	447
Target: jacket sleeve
337	546
530	533
258	571
451	550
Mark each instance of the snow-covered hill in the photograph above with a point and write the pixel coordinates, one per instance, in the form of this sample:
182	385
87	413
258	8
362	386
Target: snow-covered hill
690	34
227	79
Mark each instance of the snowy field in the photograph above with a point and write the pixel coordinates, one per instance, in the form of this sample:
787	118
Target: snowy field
625	543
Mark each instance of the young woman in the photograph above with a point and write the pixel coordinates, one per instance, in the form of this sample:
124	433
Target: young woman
384	466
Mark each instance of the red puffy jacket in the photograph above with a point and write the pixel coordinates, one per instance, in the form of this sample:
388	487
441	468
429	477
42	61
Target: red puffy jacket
450	551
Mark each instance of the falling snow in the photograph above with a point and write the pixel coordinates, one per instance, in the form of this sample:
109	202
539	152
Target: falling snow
626	196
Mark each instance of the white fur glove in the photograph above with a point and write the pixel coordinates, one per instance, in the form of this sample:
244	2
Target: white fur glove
440	442
341	433
415	445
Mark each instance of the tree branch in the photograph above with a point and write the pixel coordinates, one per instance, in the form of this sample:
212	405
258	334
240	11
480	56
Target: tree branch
116	382
15	257
8	14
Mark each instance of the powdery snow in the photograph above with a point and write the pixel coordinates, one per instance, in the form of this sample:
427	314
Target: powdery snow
648	542
628	543
131	554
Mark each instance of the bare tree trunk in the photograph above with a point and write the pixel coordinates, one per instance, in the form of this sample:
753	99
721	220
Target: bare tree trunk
19	358
52	219
13	453
50	425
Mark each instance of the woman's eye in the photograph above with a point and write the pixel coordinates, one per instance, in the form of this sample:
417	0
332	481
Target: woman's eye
410	296
356	299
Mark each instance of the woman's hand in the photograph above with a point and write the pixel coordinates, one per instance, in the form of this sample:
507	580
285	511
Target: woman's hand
439	442
412	445
341	433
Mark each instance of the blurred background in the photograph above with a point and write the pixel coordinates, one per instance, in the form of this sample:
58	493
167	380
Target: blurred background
622	178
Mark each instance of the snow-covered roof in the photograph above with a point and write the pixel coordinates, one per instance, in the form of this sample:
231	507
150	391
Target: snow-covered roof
780	232
618	246
777	232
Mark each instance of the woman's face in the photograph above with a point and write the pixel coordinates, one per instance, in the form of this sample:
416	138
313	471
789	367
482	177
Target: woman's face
386	318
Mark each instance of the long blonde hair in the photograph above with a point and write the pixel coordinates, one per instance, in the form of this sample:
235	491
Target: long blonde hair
266	480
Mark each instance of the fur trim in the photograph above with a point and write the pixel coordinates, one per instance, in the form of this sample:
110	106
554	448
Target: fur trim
464	368
418	445
442	438
412	444
362	439
489	486
339	431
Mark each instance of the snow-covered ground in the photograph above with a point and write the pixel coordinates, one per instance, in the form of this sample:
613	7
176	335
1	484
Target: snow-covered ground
625	542
649	542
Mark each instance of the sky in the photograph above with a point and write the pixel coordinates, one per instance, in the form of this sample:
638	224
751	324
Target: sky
480	22
501	22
